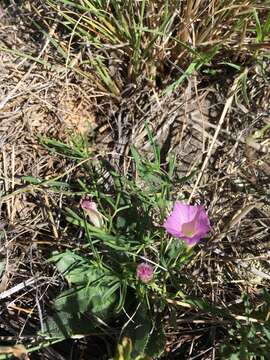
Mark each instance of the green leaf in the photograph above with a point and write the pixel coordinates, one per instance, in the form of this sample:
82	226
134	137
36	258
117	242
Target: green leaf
259	32
146	339
95	293
63	149
32	180
98	290
73	267
63	325
176	249
139	331
156	343
266	333
91	299
234	357
115	242
2	266
207	307
266	26
79	271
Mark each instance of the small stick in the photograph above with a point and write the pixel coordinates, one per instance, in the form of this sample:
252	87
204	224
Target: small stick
218	129
19	287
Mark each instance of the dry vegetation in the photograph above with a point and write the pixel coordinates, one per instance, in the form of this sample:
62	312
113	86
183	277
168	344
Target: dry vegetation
207	121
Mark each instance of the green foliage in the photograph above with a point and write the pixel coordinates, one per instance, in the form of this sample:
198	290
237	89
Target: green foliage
103	287
147	338
195	65
77	150
93	291
250	340
123	28
262	30
102	278
161	40
36	181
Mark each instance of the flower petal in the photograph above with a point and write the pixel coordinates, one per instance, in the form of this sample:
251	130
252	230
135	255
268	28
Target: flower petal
188	222
88	204
172	223
90	209
95	217
203	223
145	272
186	212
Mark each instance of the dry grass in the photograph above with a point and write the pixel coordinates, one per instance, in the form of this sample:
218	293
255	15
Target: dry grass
33	102
201	123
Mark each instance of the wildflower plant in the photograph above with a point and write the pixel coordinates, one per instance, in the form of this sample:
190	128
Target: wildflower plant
132	253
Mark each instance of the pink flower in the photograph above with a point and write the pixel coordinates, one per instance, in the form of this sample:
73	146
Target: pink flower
188	222
145	272
90	208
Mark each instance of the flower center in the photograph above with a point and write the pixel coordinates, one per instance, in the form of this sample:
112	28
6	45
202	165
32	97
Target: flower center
189	228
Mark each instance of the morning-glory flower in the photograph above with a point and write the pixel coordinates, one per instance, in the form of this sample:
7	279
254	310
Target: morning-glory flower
90	209
188	222
145	272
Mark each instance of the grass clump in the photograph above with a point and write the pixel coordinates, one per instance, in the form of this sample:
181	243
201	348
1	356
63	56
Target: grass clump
138	43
